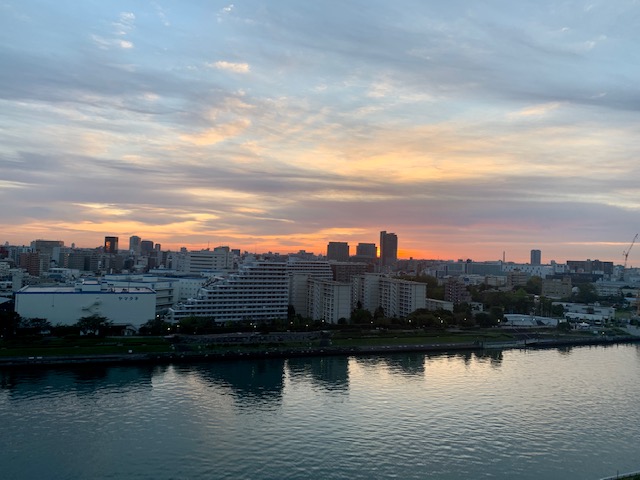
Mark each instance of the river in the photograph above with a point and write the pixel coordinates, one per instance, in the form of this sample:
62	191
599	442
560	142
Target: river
570	413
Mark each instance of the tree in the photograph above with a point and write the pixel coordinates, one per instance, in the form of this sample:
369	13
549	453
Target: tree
484	319
157	326
586	293
9	323
35	326
522	302
196	325
93	325
361	316
424	318
557	310
534	286
497	312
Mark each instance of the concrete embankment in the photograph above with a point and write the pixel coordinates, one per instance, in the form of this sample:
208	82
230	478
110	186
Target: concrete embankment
621	476
284	352
190	356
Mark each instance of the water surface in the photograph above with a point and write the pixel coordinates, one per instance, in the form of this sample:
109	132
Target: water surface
529	414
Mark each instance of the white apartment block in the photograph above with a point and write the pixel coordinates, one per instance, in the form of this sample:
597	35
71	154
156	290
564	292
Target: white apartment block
531	270
366	290
188	287
328	300
398	298
434	304
5	267
300	273
66	305
259	291
195	262
219	259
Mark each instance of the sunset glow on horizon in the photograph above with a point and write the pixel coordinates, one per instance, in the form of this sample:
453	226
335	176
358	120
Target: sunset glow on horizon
470	131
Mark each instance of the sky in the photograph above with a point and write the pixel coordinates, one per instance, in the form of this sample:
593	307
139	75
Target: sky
470	129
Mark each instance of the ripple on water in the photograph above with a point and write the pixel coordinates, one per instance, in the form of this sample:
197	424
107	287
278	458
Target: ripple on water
521	414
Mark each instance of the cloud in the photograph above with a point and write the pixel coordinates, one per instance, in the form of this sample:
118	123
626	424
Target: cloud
125	23
217	134
536	110
230	66
456	126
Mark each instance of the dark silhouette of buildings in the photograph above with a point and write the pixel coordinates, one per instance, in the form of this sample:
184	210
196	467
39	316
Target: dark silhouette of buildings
111	245
338	251
388	249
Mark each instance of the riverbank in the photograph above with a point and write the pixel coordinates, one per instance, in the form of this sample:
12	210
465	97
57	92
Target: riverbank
179	353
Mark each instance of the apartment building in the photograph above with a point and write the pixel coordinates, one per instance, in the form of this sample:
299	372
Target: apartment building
259	291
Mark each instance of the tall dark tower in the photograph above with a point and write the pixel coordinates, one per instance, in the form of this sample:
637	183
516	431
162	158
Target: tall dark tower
134	244
110	244
388	249
536	257
338	251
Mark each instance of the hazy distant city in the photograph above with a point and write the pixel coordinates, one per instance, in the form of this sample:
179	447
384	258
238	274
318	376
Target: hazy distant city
136	283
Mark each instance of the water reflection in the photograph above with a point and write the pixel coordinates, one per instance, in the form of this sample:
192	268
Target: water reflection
330	373
494	357
406	364
566	350
81	380
466	356
541	415
246	378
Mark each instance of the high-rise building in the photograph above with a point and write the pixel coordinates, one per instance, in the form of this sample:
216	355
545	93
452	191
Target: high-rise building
345	271
366	250
146	247
134	244
110	244
388	249
536	257
35	263
338	251
46	246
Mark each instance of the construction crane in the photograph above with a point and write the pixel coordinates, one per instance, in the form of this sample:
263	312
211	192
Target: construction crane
626	253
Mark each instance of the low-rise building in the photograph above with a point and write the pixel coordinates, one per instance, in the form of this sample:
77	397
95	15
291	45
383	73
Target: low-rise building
434	304
592	313
517	278
456	292
66	305
165	288
557	287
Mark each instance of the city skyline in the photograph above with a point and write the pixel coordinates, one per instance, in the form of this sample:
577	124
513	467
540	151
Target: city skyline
334	251
469	130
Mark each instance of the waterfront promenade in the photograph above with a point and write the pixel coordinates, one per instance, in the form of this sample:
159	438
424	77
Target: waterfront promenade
186	348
